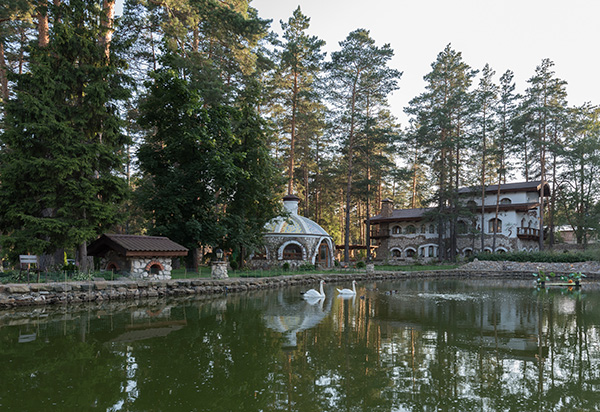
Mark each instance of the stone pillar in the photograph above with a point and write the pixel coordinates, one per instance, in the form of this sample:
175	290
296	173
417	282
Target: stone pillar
218	270
370	268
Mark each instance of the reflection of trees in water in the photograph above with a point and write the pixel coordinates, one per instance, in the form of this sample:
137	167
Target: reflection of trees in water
494	353
431	346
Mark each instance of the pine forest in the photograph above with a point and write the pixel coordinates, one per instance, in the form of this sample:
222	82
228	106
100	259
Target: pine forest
192	119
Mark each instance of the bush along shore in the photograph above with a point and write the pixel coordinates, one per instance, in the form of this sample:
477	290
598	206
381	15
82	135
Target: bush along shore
12	295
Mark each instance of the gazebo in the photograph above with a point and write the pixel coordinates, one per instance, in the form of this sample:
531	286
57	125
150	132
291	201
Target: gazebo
143	257
295	240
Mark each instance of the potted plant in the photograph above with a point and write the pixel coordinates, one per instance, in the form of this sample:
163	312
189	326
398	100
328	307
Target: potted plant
576	278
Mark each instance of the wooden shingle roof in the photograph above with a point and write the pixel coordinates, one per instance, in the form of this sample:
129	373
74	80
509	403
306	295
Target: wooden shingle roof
133	245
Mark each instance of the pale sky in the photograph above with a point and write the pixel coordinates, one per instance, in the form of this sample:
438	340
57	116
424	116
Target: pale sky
507	34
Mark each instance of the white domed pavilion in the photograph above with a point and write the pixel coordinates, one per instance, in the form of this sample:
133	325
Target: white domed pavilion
294	239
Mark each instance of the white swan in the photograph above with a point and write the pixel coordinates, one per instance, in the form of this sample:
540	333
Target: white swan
312	293
348	292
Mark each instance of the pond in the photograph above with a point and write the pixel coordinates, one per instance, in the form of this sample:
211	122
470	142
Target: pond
414	345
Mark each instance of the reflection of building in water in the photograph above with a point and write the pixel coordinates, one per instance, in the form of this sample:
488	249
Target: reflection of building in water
499	324
291	318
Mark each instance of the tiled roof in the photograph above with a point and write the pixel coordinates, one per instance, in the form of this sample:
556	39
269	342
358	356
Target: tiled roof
532	186
403	214
132	245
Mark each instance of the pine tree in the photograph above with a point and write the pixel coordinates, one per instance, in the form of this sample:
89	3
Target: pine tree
300	64
579	188
505	113
359	78
545	101
441	113
484	127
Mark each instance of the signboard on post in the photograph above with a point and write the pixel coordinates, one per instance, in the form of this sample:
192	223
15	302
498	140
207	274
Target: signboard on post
28	260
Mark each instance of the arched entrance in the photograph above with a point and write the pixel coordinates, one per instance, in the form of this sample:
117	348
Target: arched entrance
324	255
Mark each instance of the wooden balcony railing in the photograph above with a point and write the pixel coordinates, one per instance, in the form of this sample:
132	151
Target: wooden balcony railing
378	234
528	233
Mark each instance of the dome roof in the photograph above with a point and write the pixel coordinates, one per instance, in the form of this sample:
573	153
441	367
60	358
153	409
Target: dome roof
294	223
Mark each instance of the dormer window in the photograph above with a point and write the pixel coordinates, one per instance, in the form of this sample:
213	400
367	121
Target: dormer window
396	230
411	230
505	201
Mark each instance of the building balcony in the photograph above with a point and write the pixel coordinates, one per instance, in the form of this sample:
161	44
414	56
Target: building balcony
528	233
380	234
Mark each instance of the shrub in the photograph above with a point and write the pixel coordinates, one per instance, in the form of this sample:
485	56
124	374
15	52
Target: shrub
360	264
545	257
286	266
233	264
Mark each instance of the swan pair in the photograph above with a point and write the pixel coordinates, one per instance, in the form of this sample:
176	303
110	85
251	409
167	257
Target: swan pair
312	293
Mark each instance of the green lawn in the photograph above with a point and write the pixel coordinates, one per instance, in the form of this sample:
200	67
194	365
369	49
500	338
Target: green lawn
205	271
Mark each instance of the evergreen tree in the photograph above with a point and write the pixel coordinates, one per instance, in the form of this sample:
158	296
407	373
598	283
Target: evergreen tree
579	188
441	113
484	127
63	148
545	102
505	113
300	64
359	80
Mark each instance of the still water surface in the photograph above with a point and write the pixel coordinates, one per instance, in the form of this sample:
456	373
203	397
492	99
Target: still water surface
402	346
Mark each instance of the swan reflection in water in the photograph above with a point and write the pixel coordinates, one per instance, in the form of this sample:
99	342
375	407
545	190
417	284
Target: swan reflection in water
289	318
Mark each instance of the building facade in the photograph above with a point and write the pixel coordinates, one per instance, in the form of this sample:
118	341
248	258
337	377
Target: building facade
510	214
294	239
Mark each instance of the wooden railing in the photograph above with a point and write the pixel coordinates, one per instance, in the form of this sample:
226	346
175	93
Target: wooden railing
378	234
528	233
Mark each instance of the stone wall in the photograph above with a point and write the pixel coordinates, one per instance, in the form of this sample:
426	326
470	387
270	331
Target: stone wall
138	267
12	295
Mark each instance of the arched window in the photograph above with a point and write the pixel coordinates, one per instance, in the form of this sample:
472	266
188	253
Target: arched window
410	253
292	252
432	251
396	230
411	230
431	228
505	201
471	204
495	225
112	267
396	253
468	252
423	230
154	269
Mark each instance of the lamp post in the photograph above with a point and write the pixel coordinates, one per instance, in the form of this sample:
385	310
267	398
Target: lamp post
218	267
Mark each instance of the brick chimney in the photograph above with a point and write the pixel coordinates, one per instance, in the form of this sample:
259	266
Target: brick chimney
387	207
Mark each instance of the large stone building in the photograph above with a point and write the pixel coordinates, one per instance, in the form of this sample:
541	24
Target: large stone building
410	234
294	239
